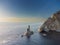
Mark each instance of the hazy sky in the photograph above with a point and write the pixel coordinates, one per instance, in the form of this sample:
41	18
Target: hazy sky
28	8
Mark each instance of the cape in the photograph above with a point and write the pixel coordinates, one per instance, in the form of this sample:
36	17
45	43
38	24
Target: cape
52	23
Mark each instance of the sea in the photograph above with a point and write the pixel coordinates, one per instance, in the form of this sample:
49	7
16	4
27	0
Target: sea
10	34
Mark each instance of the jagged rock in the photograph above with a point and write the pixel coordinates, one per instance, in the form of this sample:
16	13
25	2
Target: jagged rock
52	23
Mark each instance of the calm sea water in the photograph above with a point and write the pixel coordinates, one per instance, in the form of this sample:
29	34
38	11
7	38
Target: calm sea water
10	34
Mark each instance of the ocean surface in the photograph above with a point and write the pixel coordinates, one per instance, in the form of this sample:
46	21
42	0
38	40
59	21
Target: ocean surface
10	34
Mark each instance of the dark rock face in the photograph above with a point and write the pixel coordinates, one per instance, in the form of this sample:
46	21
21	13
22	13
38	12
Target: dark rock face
57	16
51	22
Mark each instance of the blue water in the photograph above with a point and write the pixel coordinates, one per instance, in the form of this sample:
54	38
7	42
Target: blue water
10	34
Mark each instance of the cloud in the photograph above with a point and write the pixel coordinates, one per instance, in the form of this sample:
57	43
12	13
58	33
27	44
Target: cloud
13	19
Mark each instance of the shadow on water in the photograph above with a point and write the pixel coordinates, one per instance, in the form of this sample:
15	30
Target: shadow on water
52	38
52	35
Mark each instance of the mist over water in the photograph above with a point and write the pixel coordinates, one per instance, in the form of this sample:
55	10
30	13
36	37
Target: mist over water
11	32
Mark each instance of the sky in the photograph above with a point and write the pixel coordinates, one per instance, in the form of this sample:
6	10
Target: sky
27	9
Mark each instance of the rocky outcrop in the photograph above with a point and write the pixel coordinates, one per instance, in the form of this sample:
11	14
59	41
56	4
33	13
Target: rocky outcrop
52	23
